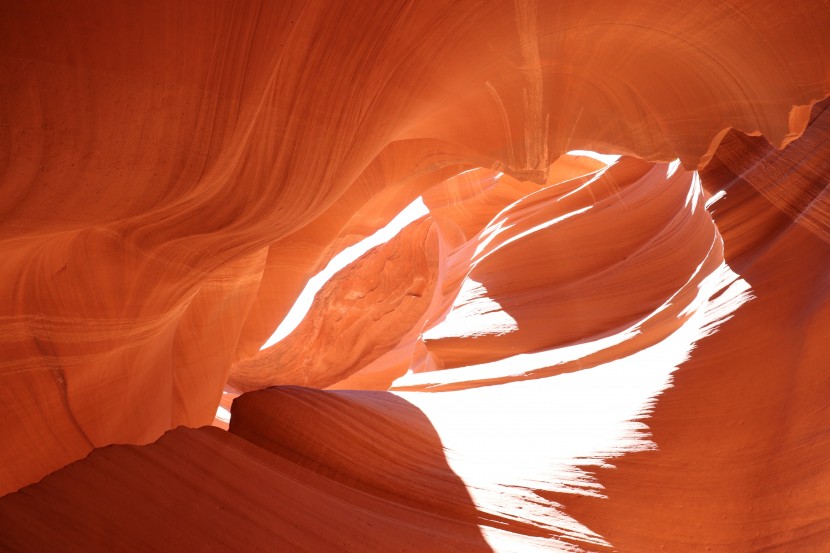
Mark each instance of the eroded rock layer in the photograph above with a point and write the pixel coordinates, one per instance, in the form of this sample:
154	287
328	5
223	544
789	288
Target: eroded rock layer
186	491
557	352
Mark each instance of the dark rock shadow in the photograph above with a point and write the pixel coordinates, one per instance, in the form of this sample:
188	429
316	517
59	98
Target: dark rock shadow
373	442
330	471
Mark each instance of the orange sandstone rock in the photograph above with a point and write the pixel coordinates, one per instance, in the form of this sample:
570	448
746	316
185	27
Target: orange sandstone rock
172	173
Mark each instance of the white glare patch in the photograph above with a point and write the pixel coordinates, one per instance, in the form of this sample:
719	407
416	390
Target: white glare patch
512	442
223	414
715	197
673	167
473	314
695	191
410	214
607	159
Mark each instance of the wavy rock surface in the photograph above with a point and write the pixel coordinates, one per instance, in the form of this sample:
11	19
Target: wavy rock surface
172	174
138	491
745	421
359	315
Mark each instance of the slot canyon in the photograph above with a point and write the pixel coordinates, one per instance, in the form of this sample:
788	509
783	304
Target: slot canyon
415	276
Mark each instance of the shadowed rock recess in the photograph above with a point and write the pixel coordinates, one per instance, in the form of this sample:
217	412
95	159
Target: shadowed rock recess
440	275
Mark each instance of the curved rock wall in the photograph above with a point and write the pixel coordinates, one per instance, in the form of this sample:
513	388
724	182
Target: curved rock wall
173	173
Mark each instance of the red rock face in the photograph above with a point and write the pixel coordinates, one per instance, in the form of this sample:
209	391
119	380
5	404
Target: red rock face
559	354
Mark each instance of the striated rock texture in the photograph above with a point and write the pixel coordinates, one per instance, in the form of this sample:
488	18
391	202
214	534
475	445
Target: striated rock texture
559	352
